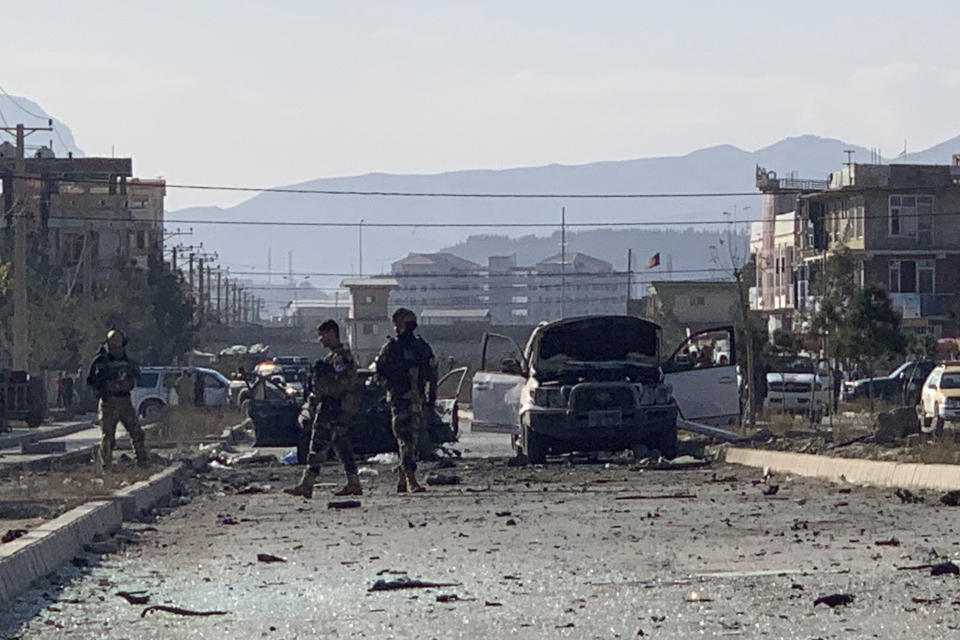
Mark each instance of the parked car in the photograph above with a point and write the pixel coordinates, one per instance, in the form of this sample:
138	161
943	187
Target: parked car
940	398
152	393
597	383
902	385
798	385
280	419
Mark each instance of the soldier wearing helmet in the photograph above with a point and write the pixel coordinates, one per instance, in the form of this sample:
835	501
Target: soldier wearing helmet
407	368
113	375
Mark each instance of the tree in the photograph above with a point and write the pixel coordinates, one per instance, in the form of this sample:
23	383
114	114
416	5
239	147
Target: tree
834	290
873	328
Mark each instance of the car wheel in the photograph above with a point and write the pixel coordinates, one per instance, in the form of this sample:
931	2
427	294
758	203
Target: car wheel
926	423
245	409
666	443
533	447
151	409
937	421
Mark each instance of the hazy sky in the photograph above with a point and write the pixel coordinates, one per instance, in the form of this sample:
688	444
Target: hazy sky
265	93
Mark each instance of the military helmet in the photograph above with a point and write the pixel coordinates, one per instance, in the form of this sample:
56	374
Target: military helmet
116	338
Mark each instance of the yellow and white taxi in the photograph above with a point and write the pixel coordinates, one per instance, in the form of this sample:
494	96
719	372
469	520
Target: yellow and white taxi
940	399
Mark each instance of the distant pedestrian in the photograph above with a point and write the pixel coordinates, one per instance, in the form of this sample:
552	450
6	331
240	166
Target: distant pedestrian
113	375
67	390
184	386
60	402
407	368
198	389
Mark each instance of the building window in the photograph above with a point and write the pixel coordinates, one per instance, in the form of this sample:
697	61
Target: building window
912	276
697	301
520	313
367	329
910	213
369	299
519	300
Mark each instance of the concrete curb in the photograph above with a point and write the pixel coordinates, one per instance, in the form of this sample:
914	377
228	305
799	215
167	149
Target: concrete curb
904	475
49	546
16	440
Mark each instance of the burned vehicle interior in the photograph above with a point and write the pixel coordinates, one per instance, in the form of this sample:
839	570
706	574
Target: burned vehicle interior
280	419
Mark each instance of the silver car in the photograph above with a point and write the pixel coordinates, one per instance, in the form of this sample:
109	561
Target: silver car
152	394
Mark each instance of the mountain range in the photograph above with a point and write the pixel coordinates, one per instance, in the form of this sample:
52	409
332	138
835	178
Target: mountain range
331	250
270	222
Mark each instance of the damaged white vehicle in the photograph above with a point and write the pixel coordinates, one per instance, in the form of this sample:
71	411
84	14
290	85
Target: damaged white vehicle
597	383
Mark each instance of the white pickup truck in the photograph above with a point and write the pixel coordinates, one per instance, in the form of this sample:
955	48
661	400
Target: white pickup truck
597	383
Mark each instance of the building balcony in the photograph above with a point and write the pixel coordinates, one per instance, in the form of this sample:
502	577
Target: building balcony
922	305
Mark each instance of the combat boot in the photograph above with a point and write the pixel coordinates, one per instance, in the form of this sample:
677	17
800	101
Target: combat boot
305	488
143	460
402	483
352	488
106	456
412	483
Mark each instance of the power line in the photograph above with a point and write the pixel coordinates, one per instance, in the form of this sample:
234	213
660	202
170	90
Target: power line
523	273
414	225
446	194
56	130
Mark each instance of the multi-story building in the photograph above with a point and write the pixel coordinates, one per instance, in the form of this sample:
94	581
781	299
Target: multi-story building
901	226
773	243
899	223
88	217
564	285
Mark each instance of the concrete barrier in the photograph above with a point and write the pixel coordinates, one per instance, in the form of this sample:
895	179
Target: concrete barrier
906	475
140	497
47	547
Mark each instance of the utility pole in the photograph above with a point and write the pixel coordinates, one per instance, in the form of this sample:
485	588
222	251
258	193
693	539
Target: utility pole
200	281
219	308
563	262
360	247
629	275
21	310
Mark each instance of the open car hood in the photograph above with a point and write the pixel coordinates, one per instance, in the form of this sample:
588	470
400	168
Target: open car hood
596	348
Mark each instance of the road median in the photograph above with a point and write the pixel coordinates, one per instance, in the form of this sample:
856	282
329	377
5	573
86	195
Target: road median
905	475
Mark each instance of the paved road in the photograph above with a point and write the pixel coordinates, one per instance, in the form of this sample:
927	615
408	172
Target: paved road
562	550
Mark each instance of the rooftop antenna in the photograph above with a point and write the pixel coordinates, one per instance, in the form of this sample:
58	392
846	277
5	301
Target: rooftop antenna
849	153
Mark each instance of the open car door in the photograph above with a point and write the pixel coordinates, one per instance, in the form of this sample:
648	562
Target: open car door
447	406
703	373
274	414
497	385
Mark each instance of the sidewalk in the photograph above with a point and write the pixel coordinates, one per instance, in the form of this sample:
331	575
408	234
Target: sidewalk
17	436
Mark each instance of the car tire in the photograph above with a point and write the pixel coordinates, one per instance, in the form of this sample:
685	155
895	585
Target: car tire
937	421
245	408
151	409
926	423
533	447
666	443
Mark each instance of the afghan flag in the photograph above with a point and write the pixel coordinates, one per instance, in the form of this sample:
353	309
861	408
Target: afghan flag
654	261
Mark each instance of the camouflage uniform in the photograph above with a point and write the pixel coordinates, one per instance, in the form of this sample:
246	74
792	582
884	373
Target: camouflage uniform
333	382
407	367
113	377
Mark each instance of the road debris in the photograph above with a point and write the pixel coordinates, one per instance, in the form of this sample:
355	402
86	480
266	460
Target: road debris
951	498
892	542
944	568
440	479
135	597
667	496
180	612
13	534
405	582
269	557
835	600
343	504
907	497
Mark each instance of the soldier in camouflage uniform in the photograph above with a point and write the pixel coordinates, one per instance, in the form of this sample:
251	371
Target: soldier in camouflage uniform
113	375
407	368
332	399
